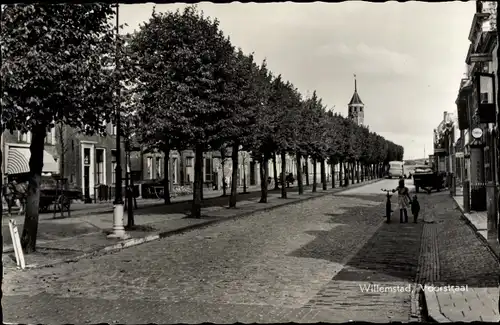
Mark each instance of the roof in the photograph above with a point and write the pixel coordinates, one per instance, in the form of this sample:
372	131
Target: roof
355	99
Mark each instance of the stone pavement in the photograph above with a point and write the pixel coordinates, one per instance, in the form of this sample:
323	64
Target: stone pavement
272	266
74	238
384	268
459	270
478	219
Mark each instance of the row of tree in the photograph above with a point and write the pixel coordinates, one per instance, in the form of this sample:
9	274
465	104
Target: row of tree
178	80
195	90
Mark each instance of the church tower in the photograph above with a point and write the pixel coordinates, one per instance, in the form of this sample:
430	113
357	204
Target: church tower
356	106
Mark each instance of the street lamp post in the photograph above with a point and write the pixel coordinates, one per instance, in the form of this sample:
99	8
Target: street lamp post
118	228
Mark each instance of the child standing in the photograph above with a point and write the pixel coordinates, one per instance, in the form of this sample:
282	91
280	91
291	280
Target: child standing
403	201
415	208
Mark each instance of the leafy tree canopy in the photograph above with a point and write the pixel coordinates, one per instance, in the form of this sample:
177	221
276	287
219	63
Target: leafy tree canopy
56	61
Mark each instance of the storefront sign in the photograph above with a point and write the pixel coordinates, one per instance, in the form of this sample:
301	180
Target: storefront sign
477	133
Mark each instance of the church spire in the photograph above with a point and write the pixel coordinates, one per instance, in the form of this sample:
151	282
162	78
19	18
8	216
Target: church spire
355	100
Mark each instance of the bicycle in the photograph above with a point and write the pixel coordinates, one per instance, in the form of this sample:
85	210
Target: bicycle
388	205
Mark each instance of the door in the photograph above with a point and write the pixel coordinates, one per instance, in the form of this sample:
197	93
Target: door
88	176
86	183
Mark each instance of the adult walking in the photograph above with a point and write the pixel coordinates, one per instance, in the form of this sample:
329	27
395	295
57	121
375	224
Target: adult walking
403	200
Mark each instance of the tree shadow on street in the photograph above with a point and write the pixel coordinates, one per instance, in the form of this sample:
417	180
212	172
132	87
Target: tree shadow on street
391	253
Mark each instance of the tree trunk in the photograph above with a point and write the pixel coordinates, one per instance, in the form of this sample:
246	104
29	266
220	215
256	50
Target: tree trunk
30	228
299	173
181	167
353	172
275	172
315	184
357	171
244	179
306	176
323	174
332	168
62	148
283	176
1	232
234	180
198	180
166	180
223	164
264	174
346	174
340	174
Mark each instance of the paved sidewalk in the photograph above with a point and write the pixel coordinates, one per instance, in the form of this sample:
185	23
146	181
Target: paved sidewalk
477	218
155	223
458	269
79	209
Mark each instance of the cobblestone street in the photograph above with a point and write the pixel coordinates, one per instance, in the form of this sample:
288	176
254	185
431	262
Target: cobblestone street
305	262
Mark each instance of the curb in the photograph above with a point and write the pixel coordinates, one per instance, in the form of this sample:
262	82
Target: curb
433	308
137	241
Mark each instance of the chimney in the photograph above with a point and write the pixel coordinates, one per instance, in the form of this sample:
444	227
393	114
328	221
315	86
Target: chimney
444	116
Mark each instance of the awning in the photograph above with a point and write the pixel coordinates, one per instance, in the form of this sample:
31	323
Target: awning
19	157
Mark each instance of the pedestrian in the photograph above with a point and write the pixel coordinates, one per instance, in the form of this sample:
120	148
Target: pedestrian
415	208
403	201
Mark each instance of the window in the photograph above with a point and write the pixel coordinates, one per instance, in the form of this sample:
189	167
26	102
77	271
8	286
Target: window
208	170
189	162
112	130
158	168
113	166
99	160
86	156
50	138
484	98
361	109
24	137
150	167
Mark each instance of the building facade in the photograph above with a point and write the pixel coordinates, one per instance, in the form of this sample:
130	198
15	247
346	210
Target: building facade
477	111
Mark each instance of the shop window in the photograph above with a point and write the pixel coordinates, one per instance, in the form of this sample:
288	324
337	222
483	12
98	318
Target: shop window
484	98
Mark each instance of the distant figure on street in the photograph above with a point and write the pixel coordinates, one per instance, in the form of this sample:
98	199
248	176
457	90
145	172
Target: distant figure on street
289	179
403	201
415	208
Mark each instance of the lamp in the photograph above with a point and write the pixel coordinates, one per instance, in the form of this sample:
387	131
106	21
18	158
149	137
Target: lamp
118	228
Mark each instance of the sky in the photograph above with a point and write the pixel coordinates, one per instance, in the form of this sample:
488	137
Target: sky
408	57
